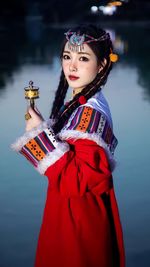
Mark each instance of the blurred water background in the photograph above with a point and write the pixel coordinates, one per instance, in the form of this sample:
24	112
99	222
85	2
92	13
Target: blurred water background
31	52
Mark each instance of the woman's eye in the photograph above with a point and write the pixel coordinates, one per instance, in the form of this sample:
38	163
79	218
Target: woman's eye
66	57
84	59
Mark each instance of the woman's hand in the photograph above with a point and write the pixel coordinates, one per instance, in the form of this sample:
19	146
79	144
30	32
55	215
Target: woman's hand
35	120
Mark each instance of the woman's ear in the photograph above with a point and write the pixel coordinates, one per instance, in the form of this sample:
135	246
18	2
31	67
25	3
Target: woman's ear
102	65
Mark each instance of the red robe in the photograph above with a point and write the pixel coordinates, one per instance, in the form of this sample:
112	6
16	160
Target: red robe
81	225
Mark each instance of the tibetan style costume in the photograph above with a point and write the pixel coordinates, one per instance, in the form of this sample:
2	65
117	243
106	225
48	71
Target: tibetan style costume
81	225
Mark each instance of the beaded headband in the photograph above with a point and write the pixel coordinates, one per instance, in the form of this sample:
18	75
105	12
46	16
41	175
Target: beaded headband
76	41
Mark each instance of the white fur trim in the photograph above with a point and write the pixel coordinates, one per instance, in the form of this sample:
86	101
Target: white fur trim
52	157
74	134
21	141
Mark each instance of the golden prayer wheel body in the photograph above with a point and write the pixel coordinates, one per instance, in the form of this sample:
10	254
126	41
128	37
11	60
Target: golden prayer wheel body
31	93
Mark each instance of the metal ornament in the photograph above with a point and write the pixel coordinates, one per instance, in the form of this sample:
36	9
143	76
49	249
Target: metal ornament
76	42
31	93
27	116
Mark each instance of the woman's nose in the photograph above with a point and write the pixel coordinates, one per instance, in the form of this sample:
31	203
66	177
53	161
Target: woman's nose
73	66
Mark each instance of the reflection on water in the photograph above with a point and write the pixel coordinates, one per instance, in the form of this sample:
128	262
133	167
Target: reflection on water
31	53
35	44
27	45
137	56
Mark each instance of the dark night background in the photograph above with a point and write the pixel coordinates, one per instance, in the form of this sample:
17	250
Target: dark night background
57	11
56	14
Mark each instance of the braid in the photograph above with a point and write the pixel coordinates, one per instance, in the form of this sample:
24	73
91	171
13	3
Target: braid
59	96
88	92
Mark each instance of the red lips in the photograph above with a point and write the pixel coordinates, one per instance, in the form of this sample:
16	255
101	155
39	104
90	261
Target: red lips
73	78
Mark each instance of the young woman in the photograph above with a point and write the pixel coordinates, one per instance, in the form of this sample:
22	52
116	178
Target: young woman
81	225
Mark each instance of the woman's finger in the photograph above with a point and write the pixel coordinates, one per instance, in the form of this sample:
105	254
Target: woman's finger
32	112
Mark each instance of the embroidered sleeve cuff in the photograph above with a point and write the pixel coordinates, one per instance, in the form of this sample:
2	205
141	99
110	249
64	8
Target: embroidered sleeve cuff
21	141
41	147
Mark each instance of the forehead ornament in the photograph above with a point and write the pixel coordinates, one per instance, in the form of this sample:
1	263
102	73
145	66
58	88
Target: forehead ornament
76	40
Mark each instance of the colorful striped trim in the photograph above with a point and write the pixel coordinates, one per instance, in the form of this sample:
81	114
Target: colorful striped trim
89	120
27	136
39	146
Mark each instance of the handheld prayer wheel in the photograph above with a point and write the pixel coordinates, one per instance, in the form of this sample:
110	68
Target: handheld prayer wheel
31	93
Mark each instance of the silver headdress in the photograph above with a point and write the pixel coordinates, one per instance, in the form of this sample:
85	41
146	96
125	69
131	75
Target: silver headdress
76	40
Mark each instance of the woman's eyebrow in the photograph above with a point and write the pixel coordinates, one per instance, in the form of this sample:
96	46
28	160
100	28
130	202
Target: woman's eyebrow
84	53
66	52
80	53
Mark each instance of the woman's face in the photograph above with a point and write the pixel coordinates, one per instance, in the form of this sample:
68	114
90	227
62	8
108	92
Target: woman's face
80	68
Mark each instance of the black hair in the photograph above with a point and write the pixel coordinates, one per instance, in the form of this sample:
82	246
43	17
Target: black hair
102	49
